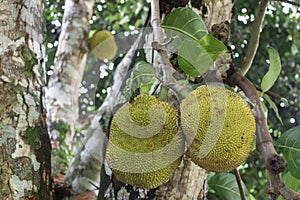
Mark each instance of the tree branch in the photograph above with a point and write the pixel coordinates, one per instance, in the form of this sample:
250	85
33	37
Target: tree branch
90	156
274	163
70	59
254	38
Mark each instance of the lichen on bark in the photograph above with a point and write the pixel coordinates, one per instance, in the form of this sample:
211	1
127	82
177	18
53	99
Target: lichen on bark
24	142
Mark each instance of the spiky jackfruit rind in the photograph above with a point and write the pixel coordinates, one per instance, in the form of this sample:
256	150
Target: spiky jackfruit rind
148	180
103	45
233	119
145	162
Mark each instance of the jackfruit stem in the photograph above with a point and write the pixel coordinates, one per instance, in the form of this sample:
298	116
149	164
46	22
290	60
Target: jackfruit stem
163	93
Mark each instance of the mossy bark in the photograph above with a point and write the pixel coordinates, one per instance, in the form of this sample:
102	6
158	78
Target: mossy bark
24	141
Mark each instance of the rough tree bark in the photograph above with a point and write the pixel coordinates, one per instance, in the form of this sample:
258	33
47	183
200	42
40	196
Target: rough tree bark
24	142
218	11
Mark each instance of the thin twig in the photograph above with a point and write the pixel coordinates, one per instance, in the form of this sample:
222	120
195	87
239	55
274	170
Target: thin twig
254	38
239	182
274	163
289	2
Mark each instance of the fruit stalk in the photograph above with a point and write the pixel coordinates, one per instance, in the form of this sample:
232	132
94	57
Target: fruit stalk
163	93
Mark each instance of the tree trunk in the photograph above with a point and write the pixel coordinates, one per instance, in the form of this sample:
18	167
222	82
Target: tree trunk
24	142
70	60
218	11
63	87
188	182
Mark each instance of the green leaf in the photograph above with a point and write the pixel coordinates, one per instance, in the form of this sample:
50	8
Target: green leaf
225	186
196	48
192	58
274	70
186	21
212	45
289	143
142	77
145	88
273	106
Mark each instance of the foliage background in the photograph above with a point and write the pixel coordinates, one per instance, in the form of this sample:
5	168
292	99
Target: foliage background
281	31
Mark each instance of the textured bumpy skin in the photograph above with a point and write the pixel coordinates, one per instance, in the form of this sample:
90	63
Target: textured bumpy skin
103	45
219	127
145	145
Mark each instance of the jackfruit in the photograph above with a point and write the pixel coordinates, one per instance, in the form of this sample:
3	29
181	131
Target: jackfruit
145	145
103	45
219	127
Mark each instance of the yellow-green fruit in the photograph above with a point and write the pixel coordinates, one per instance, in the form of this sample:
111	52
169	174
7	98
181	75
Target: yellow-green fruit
219	128
145	145
103	45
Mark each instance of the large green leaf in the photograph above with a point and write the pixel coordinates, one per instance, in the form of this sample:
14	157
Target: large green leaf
186	21
273	106
212	45
289	143
224	185
274	70
193	59
196	48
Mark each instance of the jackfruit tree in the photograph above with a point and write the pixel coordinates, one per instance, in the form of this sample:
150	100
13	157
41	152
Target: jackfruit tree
150	99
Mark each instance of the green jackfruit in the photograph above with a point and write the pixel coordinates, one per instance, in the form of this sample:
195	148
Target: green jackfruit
145	144
103	45
219	127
